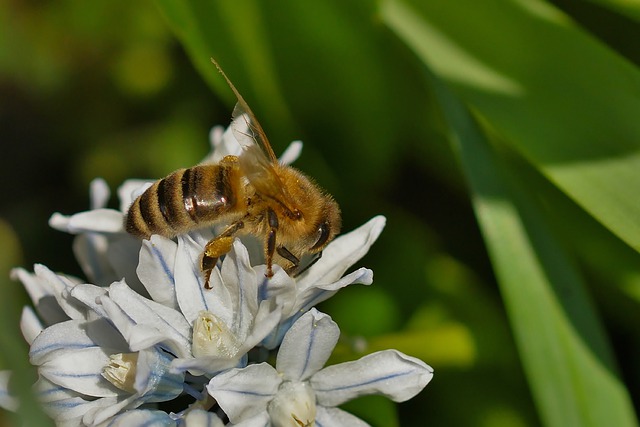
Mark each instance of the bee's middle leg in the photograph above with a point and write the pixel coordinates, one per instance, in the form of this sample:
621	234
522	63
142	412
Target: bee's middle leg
272	220
215	248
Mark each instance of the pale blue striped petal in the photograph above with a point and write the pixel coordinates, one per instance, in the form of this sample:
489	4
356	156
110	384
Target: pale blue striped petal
335	417
7	401
389	373
142	418
307	346
65	406
154	381
96	220
80	370
30	325
61	337
190	291
155	269
244	393
315	294
342	253
137	310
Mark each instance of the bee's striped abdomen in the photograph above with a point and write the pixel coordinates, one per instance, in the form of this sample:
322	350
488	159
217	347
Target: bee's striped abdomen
186	200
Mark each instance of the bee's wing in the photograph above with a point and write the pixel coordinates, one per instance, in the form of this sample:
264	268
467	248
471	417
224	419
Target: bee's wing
258	160
245	126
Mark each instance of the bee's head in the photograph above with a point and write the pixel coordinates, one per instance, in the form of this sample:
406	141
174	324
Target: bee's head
327	227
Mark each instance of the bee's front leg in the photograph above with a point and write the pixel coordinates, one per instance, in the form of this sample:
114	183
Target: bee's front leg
286	254
215	248
272	220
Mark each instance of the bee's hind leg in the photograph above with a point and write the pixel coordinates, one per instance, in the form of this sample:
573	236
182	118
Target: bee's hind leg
215	248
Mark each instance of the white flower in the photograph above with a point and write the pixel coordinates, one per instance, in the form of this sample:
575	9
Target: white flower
298	392
147	331
210	329
88	363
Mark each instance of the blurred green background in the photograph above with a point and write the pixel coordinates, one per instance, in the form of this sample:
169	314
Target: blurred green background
499	138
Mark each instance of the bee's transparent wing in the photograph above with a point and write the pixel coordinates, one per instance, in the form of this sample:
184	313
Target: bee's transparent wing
257	161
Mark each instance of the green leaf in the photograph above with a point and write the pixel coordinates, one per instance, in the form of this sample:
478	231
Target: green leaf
15	351
210	30
564	101
565	353
630	9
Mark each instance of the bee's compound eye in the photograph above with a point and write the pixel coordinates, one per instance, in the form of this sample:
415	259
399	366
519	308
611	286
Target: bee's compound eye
323	236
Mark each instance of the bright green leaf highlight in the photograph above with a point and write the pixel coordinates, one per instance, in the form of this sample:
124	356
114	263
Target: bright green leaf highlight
563	348
564	101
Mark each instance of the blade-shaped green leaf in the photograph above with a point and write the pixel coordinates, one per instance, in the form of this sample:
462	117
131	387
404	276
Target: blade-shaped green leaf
565	353
630	9
565	101
233	33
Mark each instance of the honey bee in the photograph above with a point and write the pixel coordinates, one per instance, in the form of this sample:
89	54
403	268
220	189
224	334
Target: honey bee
251	193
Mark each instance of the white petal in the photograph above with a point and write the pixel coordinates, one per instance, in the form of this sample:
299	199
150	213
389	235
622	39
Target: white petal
190	291
140	313
336	417
244	393
60	286
129	190
205	364
260	420
389	373
155	269
99	193
342	253
291	153
281	288
223	144
240	294
201	418
215	136
81	371
88	295
90	249
141	417
153	381
66	336
317	293
307	346
123	253
43	294
97	220
64	405
7	401
104	413
30	325
264	323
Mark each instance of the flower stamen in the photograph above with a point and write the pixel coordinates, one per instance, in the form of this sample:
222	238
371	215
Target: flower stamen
121	371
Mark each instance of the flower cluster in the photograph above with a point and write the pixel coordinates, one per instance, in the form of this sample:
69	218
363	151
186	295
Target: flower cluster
146	344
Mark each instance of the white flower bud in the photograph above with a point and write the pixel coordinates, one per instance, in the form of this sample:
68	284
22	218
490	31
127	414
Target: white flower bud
212	337
293	406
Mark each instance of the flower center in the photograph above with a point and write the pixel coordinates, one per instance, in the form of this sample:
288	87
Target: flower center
212	337
121	371
293	406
